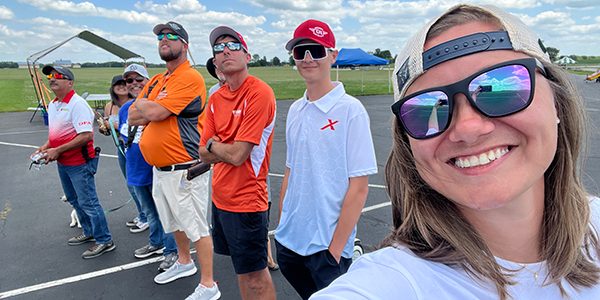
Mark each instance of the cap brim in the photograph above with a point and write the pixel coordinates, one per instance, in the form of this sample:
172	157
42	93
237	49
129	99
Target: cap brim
222	30
47	69
290	45
210	67
158	28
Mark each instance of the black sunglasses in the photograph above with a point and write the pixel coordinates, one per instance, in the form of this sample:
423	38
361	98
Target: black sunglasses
497	91
138	79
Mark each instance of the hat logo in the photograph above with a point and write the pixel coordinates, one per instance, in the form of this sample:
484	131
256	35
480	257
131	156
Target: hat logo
174	26
132	67
318	31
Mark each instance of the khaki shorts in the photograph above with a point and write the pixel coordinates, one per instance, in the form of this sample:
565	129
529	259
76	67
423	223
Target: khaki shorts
181	204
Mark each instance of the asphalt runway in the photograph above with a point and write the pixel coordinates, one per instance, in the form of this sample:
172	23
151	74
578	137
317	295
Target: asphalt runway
37	263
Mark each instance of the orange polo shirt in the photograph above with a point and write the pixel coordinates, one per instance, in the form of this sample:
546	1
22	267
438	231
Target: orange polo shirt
175	139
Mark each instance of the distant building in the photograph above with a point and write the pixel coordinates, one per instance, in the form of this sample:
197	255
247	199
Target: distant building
63	63
76	66
23	65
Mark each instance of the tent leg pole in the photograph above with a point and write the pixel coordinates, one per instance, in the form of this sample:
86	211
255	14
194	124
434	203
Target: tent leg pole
389	80
337	73
362	81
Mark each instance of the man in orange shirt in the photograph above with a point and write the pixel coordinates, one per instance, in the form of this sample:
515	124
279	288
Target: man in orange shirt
172	108
237	138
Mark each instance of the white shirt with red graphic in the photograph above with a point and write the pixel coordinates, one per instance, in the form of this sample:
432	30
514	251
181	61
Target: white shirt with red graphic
66	119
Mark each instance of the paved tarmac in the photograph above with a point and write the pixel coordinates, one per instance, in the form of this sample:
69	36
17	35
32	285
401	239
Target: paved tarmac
37	263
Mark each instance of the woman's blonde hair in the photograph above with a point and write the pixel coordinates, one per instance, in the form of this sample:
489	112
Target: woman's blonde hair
432	227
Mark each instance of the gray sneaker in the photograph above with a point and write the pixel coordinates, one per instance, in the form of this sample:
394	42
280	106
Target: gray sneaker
147	251
169	260
98	249
204	293
80	239
132	223
176	271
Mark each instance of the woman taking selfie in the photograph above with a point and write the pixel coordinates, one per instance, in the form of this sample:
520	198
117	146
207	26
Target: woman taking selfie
490	205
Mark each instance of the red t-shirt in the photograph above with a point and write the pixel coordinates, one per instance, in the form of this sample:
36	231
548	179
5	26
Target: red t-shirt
246	114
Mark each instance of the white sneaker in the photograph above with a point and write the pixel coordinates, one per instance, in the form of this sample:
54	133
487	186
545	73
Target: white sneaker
204	293
139	227
176	271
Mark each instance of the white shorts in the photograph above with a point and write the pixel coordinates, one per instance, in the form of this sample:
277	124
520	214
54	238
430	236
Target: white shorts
181	204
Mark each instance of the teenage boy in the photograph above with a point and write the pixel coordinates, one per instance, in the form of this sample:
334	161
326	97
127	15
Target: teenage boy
237	138
329	157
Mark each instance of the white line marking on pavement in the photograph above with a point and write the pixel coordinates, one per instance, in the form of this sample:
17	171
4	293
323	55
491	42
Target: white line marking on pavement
22	132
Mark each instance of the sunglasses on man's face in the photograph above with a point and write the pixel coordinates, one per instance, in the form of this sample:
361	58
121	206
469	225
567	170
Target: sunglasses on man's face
58	76
497	91
233	46
316	51
170	36
130	80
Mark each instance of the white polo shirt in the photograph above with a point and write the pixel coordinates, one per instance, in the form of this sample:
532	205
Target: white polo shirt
67	119
328	142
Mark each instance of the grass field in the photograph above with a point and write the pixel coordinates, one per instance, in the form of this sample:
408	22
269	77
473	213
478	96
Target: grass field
17	93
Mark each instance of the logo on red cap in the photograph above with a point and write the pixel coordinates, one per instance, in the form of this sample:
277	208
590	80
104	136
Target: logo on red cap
318	31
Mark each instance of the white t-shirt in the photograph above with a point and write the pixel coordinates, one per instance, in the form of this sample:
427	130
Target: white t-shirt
397	273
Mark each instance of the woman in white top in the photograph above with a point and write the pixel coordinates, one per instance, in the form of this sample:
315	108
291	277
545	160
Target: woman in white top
490	206
119	94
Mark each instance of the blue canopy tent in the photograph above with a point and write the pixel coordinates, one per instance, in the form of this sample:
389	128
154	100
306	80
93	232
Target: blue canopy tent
358	57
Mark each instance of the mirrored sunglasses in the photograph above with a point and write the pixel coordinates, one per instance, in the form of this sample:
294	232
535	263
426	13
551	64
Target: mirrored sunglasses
57	76
130	80
233	46
170	36
316	51
497	91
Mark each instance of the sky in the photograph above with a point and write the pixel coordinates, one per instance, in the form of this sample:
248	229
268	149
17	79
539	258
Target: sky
28	26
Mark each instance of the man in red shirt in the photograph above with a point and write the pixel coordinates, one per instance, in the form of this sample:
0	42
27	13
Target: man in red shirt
71	144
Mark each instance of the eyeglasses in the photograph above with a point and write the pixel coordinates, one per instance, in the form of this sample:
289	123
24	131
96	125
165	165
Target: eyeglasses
233	46
316	51
57	76
170	36
497	91
138	79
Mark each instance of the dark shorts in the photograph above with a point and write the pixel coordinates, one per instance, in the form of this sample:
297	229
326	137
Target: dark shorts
243	236
308	274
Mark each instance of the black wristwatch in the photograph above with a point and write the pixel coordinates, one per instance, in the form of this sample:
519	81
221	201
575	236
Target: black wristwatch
208	144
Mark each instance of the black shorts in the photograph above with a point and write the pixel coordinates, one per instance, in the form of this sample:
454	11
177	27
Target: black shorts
243	236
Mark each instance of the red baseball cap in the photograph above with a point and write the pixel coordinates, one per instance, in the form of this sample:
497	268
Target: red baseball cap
224	30
313	30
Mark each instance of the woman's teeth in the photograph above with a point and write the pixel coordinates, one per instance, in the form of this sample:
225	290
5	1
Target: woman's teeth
481	159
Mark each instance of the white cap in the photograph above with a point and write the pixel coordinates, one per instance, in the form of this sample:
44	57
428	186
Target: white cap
137	69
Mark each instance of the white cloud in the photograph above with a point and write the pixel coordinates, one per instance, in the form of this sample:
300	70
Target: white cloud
89	9
5	13
574	4
586	18
516	4
173	7
298	5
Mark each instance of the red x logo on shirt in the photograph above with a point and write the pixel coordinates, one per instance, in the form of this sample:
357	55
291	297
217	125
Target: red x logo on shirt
329	125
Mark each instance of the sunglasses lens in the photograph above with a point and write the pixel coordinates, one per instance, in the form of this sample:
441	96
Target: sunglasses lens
171	36
425	114
316	51
218	48
234	46
502	91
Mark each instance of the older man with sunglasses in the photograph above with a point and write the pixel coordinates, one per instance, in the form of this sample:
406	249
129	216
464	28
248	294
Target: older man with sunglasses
172	108
139	176
329	157
71	144
237	138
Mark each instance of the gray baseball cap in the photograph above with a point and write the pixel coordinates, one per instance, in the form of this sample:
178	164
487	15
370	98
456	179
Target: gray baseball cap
136	69
60	70
173	26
